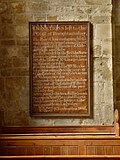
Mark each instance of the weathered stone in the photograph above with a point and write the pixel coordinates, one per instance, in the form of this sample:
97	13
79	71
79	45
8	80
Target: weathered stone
3	7
36	6
24	51
23	42
16	117
102	69
17	7
7	42
90	10
22	32
20	72
108	93
98	2
7	18
5	63
97	50
98	90
103	31
105	10
14	86
80	10
101	19
13	51
38	18
21	19
8	31
20	62
6	72
107	48
4	52
52	18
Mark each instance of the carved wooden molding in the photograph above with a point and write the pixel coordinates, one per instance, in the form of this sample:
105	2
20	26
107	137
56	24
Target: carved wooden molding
116	121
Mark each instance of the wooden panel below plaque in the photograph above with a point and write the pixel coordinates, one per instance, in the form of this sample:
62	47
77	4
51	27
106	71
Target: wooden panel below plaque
60	68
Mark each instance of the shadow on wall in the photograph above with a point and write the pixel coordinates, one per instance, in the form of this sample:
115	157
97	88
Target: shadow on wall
116	52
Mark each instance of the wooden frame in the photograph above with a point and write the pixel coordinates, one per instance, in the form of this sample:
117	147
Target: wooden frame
40	33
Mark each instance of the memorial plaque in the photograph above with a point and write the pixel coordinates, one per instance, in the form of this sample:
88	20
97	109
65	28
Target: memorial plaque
60	69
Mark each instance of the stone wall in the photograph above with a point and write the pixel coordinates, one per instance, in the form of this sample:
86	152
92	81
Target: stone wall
14	56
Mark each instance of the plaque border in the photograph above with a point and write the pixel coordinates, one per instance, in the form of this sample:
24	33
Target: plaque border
89	113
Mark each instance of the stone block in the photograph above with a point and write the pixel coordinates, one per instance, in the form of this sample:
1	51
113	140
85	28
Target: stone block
105	10
5	63
103	31
101	19
3	7
90	10
98	93
20	72
17	7
37	6
7	42
97	50
6	72
102	69
52	18
108	93
24	51
7	18
39	17
22	32
22	19
23	42
20	62
107	48
98	2
7	32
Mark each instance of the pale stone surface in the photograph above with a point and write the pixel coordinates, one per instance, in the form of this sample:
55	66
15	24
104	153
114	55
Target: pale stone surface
108	93
107	48
103	31
98	93
98	2
102	70
38	6
22	32
101	19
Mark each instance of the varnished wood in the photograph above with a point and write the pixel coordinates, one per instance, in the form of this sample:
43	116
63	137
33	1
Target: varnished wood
112	157
58	129
116	121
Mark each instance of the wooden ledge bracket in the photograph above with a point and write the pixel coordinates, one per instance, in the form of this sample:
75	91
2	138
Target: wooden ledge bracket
116	121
